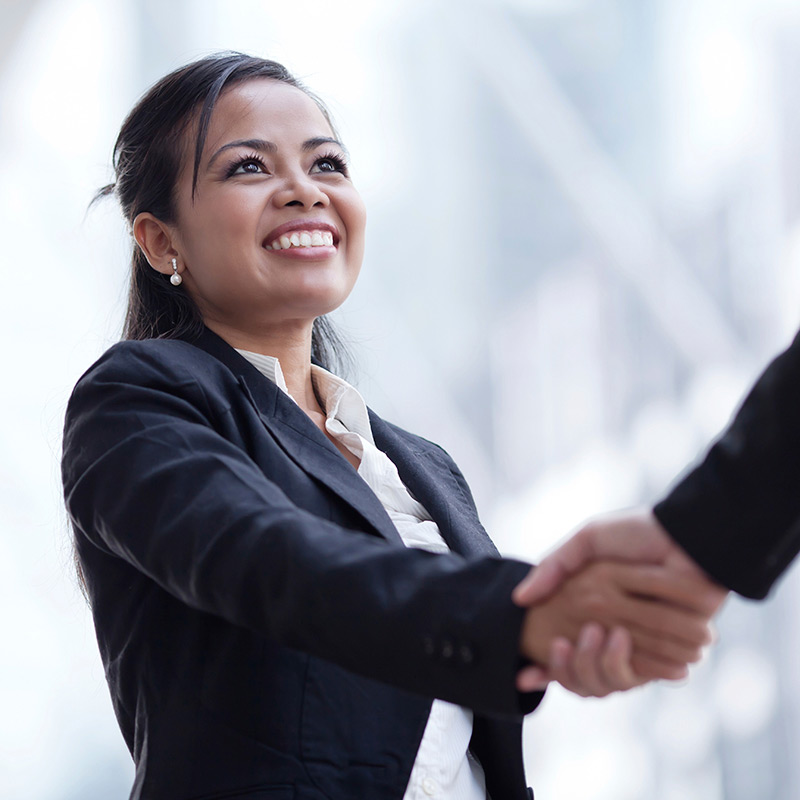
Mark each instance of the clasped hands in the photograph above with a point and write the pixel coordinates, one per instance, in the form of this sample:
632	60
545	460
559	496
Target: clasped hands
618	605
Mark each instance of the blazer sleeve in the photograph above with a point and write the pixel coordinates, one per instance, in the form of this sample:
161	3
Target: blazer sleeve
150	480
737	514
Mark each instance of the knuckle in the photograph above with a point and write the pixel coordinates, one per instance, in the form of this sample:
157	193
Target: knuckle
605	570
590	530
695	656
595	602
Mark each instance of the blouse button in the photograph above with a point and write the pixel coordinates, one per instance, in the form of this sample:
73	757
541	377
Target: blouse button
429	786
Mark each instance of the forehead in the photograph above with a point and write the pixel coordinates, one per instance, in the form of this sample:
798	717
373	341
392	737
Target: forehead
265	109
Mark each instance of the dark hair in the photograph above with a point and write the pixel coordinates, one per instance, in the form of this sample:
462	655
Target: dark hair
148	155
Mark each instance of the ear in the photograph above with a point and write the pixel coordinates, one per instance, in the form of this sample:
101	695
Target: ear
157	240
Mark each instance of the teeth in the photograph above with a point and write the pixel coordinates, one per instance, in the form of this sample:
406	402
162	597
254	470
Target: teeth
302	239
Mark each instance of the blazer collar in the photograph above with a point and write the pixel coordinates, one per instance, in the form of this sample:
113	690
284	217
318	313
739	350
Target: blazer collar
427	474
299	437
429	479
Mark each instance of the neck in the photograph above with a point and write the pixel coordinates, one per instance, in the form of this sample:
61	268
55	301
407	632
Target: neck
291	345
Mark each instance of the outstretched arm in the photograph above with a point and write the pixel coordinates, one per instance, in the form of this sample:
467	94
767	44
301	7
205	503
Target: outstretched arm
737	513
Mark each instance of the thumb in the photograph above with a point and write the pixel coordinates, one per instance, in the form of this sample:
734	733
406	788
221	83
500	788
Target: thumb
540	582
553	570
532	679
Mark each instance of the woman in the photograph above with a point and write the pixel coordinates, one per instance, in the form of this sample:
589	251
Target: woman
274	620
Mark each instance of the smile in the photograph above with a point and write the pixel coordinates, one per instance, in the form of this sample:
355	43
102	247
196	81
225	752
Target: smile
309	238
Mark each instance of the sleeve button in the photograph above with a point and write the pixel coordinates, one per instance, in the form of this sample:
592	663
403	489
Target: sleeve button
466	654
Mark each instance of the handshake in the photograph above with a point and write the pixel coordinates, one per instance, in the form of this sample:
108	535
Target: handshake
616	606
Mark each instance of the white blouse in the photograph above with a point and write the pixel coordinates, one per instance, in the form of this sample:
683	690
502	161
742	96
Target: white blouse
444	768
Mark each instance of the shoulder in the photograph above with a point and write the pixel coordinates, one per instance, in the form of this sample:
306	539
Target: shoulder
153	357
171	364
165	373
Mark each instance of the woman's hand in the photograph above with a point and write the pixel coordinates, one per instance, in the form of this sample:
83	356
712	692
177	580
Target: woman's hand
614	626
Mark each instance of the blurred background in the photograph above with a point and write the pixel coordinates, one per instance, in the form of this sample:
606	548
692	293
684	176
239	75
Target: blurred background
584	245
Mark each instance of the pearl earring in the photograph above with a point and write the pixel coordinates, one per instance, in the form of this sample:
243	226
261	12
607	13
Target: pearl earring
175	279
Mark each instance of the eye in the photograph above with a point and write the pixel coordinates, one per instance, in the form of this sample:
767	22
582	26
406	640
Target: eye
251	164
331	162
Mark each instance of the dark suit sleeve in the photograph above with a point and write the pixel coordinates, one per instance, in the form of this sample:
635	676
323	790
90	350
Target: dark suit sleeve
738	513
149	479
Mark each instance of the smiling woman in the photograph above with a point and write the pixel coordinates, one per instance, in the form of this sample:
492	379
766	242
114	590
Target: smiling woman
270	168
150	157
292	597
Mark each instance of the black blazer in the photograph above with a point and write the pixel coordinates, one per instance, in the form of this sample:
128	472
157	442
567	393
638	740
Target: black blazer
738	513
264	632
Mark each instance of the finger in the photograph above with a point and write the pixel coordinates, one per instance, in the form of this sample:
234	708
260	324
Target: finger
634	536
533	679
604	598
692	592
615	663
552	571
615	593
652	669
568	559
664	648
562	655
673	625
679	562
586	665
540	582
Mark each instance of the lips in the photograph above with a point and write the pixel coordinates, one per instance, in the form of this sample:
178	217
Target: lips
299	233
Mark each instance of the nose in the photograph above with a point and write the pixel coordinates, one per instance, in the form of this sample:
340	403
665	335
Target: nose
302	190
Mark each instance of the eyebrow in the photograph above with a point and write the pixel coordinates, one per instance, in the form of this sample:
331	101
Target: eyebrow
264	146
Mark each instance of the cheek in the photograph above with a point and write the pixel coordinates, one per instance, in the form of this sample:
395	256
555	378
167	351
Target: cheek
217	233
355	218
228	215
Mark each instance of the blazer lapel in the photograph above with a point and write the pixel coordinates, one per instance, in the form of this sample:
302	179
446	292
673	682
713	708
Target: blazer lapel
430	479
300	439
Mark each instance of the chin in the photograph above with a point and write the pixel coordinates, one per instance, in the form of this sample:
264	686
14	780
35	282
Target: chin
318	300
